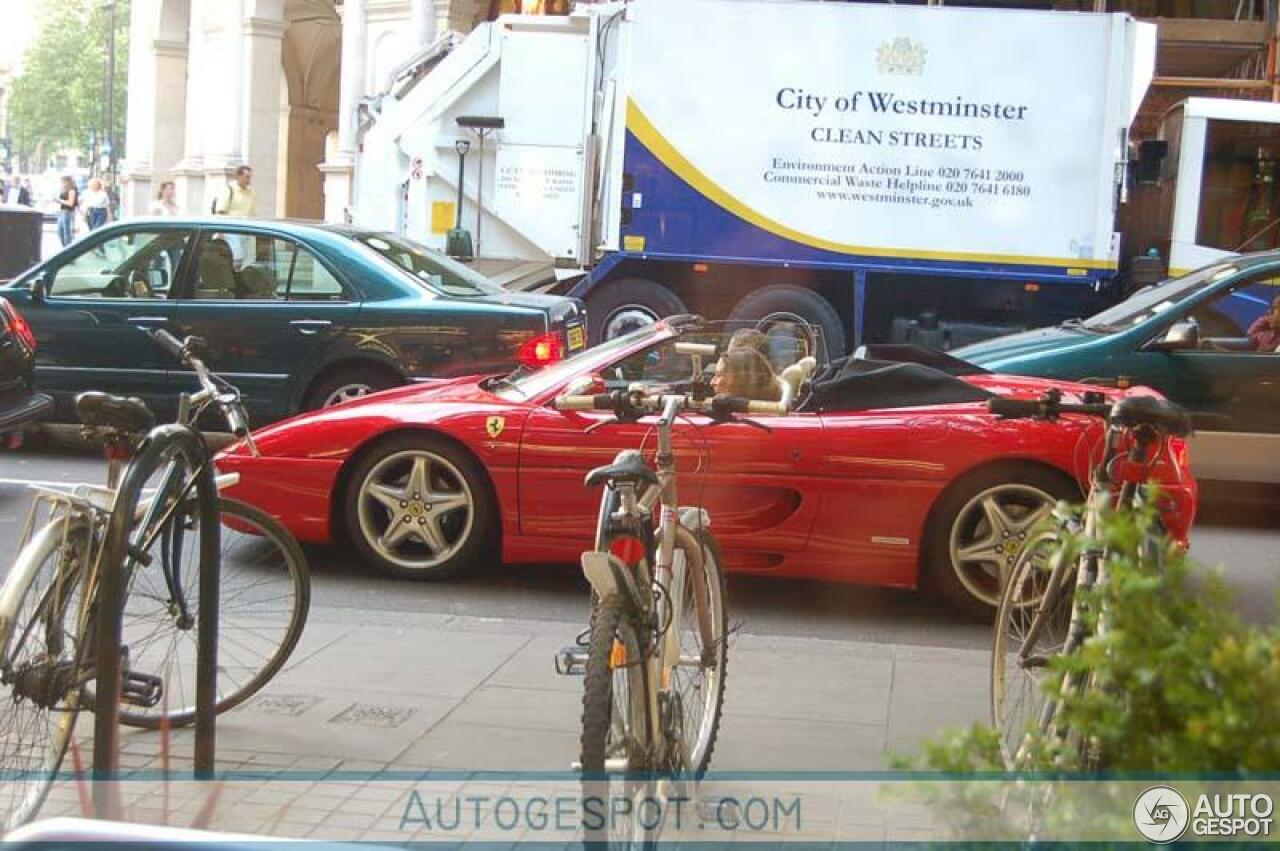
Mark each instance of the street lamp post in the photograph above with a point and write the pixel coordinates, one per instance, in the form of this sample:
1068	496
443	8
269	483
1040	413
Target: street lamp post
110	134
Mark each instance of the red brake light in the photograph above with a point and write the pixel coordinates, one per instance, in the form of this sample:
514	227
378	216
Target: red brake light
19	324
542	350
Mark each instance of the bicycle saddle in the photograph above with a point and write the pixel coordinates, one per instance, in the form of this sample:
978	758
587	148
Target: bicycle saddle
103	410
1161	414
628	468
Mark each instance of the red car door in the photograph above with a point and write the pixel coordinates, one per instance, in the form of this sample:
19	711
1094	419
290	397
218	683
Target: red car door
758	486
883	470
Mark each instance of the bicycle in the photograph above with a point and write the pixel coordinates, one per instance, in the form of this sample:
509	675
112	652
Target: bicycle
160	538
656	655
1042	613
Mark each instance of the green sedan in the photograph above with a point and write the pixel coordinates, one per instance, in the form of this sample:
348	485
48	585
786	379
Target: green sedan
1207	340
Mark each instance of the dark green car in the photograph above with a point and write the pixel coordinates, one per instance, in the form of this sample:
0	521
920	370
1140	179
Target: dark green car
297	315
1190	338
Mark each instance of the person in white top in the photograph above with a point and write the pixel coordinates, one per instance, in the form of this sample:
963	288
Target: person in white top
165	205
96	204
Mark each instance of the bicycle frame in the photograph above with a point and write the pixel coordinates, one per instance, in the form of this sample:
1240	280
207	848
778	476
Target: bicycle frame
663	546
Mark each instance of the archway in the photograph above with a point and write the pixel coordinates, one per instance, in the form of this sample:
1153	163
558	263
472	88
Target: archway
309	103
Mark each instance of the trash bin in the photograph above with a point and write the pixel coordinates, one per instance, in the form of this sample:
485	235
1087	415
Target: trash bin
21	230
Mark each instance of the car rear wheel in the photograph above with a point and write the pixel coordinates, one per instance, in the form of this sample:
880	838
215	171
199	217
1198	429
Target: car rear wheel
419	507
345	384
980	527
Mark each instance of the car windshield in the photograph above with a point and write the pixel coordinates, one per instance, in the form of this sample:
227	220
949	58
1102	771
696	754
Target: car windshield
1147	303
433	270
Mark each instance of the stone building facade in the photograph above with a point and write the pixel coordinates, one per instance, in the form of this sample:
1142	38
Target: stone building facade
274	84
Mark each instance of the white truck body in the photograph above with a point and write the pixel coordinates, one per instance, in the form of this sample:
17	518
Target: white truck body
802	119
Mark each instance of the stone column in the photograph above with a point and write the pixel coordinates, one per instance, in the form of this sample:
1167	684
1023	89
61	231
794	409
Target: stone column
422	21
338	168
260	143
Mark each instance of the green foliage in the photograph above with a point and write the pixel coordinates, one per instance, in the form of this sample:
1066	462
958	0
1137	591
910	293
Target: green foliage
58	101
1181	685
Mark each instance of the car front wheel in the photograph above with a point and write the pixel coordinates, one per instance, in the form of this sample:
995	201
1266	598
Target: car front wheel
418	507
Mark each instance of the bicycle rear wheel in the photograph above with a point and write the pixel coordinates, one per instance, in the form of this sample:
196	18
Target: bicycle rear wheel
616	743
1019	672
41	665
264	597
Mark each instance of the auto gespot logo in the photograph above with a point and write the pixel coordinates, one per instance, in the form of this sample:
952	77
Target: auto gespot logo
1162	814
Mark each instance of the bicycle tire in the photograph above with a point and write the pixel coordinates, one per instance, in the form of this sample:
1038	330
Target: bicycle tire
34	783
712	703
1014	617
611	622
170	450
281	544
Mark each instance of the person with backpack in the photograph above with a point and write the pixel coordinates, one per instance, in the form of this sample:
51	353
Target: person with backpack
238	199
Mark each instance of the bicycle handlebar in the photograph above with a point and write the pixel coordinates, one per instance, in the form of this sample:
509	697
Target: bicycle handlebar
638	404
228	402
1044	408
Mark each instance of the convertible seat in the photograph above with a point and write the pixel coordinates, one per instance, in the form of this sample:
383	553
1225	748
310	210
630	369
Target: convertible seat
850	384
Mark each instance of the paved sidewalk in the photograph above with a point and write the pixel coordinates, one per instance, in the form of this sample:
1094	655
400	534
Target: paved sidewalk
368	693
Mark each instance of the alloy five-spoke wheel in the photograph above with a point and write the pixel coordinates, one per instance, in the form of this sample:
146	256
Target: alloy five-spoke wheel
990	533
418	507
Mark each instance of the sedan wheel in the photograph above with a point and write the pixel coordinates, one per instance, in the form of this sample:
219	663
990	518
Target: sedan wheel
346	393
419	508
989	534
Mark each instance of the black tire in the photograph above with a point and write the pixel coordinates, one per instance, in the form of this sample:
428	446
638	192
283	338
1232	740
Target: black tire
234	600
609	621
470	541
611	305
784	301
1023	484
333	382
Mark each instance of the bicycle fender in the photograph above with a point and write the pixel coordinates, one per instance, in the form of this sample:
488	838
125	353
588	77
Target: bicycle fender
609	575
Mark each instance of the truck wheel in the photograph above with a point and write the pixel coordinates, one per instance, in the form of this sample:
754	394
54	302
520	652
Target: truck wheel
782	303
623	306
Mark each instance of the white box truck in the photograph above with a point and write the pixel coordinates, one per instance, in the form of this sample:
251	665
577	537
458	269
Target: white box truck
886	173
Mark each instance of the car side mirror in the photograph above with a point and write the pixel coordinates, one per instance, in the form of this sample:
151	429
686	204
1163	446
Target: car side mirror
1180	336
39	288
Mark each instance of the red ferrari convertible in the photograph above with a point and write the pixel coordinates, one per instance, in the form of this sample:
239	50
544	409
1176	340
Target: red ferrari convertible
895	475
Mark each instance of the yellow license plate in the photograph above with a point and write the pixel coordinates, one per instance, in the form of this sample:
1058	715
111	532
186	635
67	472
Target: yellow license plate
577	339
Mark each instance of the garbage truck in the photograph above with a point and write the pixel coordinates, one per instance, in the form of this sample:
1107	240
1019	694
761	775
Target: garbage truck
881	173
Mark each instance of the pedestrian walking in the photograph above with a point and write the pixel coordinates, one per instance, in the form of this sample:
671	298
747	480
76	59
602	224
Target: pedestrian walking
68	201
97	204
16	193
238	199
166	203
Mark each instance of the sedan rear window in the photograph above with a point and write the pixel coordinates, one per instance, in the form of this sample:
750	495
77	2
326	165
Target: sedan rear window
433	270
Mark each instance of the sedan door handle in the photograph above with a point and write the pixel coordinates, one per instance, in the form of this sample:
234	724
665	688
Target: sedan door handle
310	326
148	321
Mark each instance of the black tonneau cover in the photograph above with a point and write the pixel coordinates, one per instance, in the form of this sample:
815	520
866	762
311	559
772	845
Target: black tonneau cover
860	385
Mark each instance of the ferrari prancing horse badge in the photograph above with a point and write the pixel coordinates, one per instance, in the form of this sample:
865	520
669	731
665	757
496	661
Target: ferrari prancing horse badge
494	426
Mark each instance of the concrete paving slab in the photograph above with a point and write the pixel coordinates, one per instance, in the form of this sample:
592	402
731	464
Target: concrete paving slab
462	745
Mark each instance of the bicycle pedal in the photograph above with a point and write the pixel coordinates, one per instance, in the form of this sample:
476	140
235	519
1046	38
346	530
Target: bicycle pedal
571	661
143	690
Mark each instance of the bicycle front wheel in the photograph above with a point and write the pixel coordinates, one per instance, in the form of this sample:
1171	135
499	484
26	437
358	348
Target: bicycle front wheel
699	676
41	667
264	596
1020	662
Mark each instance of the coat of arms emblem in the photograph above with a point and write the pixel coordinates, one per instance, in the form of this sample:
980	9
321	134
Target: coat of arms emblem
494	426
900	56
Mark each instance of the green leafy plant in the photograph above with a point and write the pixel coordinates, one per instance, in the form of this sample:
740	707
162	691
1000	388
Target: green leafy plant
1181	685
